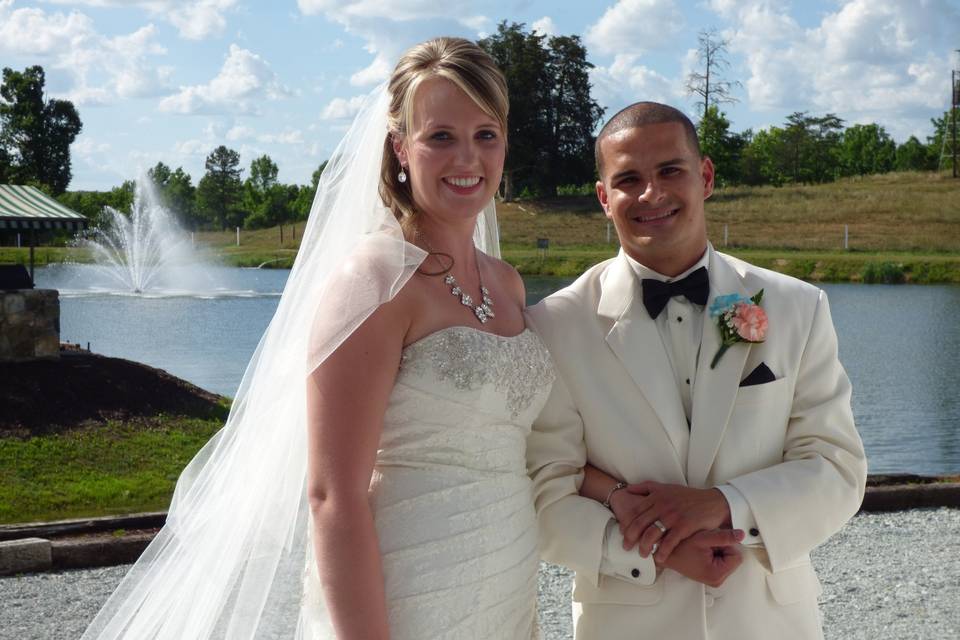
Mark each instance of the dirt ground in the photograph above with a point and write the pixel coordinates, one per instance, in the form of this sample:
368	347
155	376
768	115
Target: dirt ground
48	396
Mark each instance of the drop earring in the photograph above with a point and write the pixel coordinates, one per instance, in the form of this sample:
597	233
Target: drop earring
402	176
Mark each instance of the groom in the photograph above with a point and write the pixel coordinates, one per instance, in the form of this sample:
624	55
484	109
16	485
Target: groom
764	441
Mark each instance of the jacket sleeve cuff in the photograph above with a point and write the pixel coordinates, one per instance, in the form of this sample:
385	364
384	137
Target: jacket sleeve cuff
625	565
741	515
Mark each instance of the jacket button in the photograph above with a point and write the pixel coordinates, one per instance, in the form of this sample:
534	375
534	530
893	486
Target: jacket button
754	532
635	573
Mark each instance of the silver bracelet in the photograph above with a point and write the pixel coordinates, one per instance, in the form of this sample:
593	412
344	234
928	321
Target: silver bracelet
616	487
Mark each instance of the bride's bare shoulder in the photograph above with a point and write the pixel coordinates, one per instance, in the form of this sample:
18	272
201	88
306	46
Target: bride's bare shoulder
507	279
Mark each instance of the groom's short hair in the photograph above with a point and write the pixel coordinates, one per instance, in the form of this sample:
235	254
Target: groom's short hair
639	114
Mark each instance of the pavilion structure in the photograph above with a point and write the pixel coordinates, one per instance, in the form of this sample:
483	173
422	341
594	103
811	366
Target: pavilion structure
29	317
28	211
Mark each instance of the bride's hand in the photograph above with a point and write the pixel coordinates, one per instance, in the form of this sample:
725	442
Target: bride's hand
627	507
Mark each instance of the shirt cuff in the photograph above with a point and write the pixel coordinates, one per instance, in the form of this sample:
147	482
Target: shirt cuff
625	565
741	515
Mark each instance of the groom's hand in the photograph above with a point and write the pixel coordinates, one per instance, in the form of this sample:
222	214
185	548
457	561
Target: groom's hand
708	556
680	509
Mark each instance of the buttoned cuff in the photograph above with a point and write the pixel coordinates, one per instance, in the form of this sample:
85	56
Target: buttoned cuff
741	515
622	564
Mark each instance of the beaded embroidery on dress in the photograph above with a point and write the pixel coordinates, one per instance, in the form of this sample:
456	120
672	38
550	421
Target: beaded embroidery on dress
452	501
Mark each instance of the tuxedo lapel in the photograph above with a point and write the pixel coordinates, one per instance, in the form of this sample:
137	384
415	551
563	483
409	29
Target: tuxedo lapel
714	389
637	344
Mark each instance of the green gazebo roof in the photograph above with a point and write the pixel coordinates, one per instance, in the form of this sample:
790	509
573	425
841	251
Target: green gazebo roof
25	207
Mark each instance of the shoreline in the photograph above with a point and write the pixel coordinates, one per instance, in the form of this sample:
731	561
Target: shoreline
855	266
85	543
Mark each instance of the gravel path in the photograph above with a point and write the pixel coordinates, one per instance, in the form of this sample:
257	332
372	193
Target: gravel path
887	575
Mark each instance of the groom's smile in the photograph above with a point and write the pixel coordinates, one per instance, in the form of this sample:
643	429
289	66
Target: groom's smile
655	216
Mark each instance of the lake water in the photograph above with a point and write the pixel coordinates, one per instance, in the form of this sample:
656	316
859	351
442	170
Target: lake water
899	344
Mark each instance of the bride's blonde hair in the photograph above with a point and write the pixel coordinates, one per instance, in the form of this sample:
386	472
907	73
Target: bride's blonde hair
463	63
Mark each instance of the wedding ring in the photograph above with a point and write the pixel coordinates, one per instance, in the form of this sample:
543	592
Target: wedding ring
656	546
660	525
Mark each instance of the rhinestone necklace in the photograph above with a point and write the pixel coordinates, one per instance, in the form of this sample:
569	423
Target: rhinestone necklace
484	310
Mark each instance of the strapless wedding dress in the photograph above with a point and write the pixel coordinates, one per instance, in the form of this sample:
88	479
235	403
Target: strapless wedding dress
451	497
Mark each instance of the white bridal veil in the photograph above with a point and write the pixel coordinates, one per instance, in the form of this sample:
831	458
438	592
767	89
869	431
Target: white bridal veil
229	562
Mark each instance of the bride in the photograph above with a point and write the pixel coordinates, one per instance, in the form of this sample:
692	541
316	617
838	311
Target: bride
370	481
434	393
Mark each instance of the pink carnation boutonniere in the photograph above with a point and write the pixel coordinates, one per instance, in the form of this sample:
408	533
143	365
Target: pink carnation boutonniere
739	319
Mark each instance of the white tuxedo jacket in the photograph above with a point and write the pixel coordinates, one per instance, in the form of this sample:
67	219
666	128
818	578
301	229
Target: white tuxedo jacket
789	446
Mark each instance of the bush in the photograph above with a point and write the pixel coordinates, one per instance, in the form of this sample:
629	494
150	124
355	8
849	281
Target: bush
528	193
925	273
586	189
883	273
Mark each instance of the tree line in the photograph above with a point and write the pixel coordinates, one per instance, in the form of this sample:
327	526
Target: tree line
813	149
221	200
553	117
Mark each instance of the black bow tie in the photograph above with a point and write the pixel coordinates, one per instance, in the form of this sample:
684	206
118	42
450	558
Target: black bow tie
656	294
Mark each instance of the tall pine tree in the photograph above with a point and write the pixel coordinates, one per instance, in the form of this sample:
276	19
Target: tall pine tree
219	191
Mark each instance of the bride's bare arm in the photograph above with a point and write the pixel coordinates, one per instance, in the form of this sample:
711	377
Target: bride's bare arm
347	397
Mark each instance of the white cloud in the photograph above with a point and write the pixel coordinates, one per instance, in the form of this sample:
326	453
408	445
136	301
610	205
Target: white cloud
211	135
627	81
625	31
398	10
378	70
86	145
192	147
631	27
341	108
389	28
243	81
29	31
126	62
194	19
239	132
291	136
100	69
480	24
881	60
197	20
544	26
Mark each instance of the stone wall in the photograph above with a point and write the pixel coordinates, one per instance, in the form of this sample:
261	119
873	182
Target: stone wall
29	324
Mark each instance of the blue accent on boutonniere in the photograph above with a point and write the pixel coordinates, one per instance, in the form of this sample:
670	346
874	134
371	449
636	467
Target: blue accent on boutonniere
722	304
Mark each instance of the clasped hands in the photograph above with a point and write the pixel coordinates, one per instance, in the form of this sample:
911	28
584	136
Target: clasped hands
698	541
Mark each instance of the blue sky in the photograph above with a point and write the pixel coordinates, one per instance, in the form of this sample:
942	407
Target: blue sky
169	80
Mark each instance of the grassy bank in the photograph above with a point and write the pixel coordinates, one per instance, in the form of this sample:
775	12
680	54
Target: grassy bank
112	468
900	227
893	267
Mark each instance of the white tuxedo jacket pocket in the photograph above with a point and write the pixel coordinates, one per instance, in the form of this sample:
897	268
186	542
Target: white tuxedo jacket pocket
755	432
795	584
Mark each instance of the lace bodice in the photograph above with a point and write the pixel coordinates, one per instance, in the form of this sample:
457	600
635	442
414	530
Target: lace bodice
466	397
517	366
